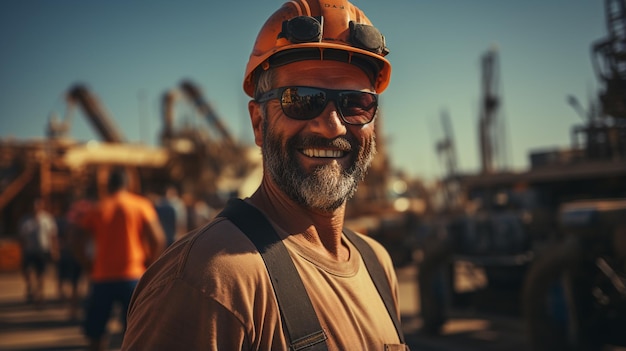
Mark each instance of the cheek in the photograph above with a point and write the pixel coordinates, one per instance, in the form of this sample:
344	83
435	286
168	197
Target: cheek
364	134
283	127
264	115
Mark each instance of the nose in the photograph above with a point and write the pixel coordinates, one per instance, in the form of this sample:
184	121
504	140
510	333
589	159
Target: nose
329	123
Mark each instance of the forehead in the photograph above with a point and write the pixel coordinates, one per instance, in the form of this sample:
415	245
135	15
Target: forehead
325	74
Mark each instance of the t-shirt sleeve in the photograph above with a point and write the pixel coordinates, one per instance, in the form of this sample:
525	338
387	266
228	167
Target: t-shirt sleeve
176	316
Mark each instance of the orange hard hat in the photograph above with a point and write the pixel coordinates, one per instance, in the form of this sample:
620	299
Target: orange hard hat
319	30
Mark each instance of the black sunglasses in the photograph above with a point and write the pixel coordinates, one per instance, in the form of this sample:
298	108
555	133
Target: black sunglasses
304	103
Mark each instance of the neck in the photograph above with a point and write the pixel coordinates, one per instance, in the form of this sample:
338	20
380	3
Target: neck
322	230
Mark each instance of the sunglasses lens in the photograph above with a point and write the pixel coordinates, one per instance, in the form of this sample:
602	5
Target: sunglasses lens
358	107
303	103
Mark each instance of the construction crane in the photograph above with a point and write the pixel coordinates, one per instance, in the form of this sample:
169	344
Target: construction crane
489	122
446	150
216	165
79	94
193	92
446	147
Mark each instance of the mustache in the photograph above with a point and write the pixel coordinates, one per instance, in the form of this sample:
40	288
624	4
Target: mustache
341	143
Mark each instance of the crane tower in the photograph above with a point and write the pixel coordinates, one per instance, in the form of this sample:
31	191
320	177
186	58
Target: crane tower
491	131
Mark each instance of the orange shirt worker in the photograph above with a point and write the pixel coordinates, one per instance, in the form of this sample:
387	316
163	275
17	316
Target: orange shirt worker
126	237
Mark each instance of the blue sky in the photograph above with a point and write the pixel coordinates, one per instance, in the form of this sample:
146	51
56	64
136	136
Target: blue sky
131	52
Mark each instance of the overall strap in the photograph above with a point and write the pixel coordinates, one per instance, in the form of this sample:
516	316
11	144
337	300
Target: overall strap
378	276
299	317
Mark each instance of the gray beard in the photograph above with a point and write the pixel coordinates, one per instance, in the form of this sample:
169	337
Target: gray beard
327	187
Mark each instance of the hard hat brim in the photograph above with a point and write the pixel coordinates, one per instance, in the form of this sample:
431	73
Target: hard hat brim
373	64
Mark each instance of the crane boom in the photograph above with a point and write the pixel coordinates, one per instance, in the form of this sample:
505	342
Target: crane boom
96	113
193	92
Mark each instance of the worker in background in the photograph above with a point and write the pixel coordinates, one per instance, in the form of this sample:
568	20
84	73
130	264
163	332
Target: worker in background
127	237
314	76
39	242
69	270
172	196
199	212
166	212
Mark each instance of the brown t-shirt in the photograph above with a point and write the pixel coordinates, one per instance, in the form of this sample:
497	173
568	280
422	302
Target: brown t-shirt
211	291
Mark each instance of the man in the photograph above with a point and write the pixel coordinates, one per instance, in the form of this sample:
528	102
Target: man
313	120
69	269
127	237
39	242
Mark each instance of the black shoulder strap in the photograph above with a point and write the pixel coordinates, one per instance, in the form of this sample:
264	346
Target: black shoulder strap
299	317
296	308
378	276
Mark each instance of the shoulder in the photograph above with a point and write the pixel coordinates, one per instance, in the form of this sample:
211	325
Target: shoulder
138	202
225	254
215	259
128	196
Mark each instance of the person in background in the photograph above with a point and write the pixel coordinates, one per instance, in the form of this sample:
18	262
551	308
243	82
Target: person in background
69	269
314	76
39	242
127	237
199	212
167	215
172	196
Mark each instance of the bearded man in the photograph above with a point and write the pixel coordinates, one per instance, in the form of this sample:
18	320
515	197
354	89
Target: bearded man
314	75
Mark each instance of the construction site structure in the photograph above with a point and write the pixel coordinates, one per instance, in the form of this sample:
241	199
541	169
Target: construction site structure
609	61
491	123
97	114
59	169
446	150
217	166
554	234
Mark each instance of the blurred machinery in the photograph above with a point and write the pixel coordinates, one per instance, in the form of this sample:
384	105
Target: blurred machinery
552	234
60	170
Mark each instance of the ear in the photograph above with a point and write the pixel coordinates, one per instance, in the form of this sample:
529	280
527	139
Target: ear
256	117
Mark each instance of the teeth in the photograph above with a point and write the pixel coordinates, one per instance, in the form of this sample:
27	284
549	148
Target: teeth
322	153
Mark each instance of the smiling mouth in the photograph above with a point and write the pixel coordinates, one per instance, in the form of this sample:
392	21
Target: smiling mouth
323	153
